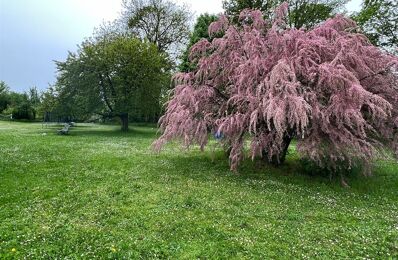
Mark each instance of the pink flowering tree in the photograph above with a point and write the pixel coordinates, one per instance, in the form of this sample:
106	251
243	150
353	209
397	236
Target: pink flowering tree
265	84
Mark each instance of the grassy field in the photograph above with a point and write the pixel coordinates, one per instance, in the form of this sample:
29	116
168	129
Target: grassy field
102	193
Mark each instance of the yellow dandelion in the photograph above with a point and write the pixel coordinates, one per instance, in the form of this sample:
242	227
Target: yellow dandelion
113	249
13	250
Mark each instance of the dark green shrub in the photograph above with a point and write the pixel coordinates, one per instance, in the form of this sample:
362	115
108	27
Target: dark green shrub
24	111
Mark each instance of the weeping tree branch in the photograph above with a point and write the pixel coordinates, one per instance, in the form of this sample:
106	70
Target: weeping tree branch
377	73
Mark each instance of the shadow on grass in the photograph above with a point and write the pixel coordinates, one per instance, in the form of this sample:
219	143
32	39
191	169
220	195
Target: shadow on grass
193	163
114	132
77	126
384	179
97	130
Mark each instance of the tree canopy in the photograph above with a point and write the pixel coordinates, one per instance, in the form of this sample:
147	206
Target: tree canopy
379	21
123	70
115	77
233	8
4	101
301	13
265	83
200	31
19	105
161	22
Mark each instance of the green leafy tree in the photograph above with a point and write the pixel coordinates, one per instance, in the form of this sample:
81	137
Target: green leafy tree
4	96
379	21
234	7
19	106
301	13
34	96
34	100
76	77
114	78
49	104
200	31
3	87
161	22
23	111
308	13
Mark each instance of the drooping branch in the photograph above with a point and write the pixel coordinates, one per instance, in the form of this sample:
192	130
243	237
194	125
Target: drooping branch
284	83
378	72
219	93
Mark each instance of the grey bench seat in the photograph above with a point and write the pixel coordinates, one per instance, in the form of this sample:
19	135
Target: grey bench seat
65	130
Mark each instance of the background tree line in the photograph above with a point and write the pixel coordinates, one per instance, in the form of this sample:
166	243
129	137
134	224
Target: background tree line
122	72
14	105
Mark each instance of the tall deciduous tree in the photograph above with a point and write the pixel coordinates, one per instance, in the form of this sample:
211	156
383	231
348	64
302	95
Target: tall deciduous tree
114	78
3	87
161	22
328	87
308	13
34	100
379	21
200	32
4	100
301	13
233	8
49	104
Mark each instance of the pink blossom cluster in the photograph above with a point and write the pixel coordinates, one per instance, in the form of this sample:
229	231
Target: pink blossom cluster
328	88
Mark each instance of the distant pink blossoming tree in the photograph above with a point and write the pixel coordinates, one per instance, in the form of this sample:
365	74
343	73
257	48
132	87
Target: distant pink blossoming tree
264	83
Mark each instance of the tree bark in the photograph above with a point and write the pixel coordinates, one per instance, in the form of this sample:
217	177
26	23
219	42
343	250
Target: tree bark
124	118
279	159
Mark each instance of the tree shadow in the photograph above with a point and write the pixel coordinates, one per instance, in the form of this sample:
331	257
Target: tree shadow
114	132
255	173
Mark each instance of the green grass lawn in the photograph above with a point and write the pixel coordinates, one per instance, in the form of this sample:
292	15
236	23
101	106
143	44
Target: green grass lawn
102	193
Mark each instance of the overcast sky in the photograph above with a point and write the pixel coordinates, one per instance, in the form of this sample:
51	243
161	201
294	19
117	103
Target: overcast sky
33	33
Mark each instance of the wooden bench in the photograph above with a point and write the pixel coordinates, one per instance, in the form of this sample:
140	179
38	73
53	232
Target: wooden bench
65	130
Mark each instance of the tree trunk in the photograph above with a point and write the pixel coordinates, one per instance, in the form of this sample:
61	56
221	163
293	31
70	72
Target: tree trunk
277	160
124	117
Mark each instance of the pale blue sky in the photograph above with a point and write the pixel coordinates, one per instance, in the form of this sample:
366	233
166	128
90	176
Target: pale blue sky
33	33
